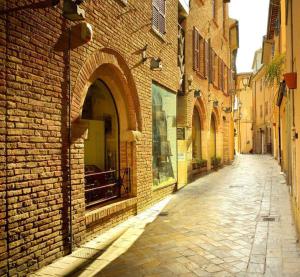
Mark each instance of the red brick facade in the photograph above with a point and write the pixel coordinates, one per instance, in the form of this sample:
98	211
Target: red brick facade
40	82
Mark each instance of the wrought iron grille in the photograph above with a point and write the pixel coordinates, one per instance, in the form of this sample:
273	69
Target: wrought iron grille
104	186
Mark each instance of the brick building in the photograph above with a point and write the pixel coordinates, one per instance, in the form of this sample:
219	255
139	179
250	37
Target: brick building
88	116
51	78
204	106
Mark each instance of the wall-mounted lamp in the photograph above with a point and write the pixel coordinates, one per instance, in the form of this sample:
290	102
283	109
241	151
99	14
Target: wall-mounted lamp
72	11
144	53
156	63
245	82
190	80
215	102
197	93
226	109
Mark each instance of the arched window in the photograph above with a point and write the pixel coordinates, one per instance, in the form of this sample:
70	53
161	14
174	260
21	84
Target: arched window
101	145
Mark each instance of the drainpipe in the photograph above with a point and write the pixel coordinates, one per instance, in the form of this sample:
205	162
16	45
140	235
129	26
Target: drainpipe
5	151
70	235
292	58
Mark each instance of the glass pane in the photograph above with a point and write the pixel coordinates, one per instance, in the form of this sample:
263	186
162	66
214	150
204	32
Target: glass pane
164	149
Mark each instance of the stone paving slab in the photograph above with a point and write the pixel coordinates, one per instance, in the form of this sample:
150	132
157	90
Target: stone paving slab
234	222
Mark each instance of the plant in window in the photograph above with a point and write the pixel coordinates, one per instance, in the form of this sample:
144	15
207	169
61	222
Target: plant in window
275	69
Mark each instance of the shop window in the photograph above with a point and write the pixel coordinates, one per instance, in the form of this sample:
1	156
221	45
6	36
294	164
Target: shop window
164	151
101	145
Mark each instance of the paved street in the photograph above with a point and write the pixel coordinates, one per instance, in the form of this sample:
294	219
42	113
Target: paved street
234	222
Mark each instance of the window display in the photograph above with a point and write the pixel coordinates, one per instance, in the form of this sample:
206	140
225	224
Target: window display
164	149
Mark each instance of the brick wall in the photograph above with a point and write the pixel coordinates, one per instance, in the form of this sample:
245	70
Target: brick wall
3	245
37	97
201	18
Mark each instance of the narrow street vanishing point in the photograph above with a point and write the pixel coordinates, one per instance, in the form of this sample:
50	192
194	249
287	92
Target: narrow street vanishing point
234	222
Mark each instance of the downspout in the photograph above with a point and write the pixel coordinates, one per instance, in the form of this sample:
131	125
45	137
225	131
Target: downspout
70	235
5	149
292	59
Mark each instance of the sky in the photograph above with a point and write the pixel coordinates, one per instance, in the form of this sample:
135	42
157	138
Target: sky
252	16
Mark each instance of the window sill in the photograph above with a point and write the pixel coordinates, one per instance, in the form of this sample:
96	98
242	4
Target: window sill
97	214
159	35
164	186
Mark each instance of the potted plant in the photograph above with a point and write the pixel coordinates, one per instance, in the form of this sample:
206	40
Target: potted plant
203	163
291	80
215	161
275	69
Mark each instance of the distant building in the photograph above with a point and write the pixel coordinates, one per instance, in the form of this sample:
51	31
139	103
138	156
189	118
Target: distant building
243	114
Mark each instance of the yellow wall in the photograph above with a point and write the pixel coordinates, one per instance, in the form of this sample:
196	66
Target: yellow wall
244	115
294	149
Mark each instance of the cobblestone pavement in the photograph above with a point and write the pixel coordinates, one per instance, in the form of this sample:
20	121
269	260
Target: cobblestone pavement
234	222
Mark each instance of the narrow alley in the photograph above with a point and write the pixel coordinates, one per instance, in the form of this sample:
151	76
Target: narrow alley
236	221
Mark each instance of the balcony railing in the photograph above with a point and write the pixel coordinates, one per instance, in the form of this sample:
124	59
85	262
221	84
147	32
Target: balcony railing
107	185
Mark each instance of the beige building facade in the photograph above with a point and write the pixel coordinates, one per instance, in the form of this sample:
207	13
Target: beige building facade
262	99
292	9
243	114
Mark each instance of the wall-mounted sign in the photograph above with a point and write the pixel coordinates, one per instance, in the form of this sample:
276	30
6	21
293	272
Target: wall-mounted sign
180	133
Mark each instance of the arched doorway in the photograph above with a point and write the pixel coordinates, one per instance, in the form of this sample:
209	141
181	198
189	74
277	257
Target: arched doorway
196	136
213	138
101	145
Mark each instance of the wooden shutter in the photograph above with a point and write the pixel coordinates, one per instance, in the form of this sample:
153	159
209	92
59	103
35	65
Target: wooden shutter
159	15
202	56
196	50
225	79
221	75
162	16
212	68
206	53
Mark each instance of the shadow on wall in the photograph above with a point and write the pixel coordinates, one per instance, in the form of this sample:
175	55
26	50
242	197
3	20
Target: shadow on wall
33	6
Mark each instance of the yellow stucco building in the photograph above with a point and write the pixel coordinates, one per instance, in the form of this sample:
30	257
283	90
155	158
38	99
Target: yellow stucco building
243	114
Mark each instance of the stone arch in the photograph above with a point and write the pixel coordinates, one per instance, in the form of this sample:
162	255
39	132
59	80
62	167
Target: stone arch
217	116
109	66
199	105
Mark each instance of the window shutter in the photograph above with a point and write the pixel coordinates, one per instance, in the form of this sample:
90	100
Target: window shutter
158	15
221	75
206	53
196	49
212	67
209	62
155	15
219	72
202	56
225	79
162	15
